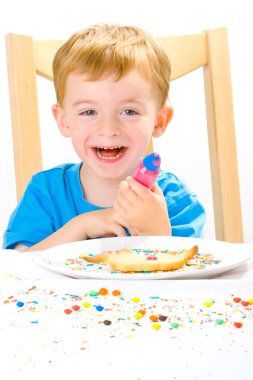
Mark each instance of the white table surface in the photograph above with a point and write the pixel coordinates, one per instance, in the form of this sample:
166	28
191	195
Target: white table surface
43	341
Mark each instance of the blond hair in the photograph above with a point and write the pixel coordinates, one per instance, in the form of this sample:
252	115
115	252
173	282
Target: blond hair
112	48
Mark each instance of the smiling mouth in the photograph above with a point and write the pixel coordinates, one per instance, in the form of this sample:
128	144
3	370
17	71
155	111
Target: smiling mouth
109	153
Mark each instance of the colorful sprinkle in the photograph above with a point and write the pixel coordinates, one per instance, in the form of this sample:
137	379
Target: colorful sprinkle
116	292
208	304
76	307
219	321
153	318
20	304
136	299
67	311
151	257
174	325
86	305
93	293
156	326
103	291
238	325
107	322
138	315
162	318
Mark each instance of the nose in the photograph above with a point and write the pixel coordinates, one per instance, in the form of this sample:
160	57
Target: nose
108	126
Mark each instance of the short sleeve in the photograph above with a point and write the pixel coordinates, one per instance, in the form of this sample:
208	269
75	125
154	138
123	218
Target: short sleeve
31	221
186	213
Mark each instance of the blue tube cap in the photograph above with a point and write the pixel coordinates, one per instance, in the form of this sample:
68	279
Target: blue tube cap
152	161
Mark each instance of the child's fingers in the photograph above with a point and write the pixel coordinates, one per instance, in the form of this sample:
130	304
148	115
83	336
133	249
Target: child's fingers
156	189
141	191
119	219
118	230
127	194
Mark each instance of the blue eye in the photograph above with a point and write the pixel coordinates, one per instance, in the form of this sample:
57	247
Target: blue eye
88	113
129	112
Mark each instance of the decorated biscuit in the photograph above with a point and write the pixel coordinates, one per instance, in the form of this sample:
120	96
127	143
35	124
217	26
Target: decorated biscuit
140	260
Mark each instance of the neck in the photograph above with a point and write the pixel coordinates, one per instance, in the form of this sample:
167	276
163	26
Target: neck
96	190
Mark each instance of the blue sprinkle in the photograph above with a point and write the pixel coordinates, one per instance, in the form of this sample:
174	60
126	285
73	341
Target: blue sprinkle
20	304
99	308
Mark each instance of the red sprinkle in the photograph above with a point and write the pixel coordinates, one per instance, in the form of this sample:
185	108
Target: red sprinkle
151	257
238	325
76	307
245	303
237	299
67	311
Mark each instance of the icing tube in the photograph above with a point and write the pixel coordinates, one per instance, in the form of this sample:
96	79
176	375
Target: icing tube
148	170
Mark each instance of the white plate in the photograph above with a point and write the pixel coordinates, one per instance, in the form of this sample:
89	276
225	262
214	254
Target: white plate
214	258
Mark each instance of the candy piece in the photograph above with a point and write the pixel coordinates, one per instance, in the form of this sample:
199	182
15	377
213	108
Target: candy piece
93	293
76	307
20	304
238	325
67	311
219	321
143	312
138	315
153	318
156	326
162	318
86	305
103	292
116	292
107	322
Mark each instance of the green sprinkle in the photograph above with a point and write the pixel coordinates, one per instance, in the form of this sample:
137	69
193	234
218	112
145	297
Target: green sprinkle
175	325
219	321
93	293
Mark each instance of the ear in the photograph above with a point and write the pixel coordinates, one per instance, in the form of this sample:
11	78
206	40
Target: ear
162	120
60	119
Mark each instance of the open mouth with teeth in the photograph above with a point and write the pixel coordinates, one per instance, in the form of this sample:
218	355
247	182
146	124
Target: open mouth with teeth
109	153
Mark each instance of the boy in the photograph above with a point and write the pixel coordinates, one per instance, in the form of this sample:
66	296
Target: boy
111	85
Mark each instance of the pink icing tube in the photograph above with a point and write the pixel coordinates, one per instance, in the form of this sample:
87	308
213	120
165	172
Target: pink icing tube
148	170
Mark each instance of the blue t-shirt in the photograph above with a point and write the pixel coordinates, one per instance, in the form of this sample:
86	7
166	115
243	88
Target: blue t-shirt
55	196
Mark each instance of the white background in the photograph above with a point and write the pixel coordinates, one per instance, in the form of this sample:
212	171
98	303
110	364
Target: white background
183	148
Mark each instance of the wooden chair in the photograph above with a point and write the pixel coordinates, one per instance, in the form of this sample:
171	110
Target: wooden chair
26	58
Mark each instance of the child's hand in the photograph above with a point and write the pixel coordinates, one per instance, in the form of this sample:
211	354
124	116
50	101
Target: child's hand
101	223
143	209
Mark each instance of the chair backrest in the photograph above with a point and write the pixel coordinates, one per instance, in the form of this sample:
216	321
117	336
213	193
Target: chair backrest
26	58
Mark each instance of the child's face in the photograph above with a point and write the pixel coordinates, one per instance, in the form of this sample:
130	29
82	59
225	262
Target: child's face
110	123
